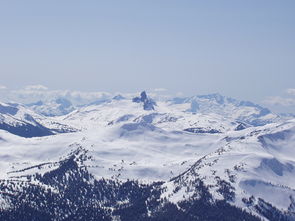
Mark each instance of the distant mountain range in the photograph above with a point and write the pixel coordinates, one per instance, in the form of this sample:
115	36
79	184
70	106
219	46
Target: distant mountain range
206	157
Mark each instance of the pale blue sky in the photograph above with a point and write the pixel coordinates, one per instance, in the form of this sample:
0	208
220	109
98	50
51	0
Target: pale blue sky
243	49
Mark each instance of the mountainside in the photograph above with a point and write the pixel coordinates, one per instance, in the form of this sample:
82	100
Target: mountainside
199	158
21	121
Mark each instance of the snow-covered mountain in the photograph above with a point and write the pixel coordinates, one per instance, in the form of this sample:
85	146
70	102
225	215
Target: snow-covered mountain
208	114
55	107
19	120
199	158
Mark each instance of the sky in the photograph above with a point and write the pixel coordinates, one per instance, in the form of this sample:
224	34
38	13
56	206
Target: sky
242	49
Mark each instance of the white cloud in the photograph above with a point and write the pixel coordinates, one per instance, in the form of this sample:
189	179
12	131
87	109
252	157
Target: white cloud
2	87
37	87
179	94
291	91
160	89
35	93
280	101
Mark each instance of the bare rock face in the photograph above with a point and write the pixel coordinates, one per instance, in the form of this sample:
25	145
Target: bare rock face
148	103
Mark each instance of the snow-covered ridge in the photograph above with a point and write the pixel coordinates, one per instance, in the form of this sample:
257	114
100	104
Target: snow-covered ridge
22	121
211	113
